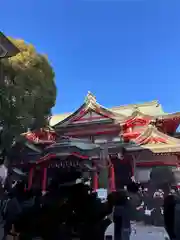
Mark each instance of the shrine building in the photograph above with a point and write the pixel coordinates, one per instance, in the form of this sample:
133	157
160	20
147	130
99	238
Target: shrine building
136	137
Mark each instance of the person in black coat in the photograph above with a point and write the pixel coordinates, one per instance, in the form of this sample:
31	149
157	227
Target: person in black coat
169	214
122	216
135	200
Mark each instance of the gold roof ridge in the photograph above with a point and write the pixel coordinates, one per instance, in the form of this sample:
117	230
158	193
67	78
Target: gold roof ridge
136	105
91	97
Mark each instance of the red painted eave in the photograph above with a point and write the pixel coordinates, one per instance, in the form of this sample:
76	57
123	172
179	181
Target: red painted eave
169	125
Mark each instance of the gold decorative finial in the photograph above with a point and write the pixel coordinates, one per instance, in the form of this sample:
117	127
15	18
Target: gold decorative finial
90	98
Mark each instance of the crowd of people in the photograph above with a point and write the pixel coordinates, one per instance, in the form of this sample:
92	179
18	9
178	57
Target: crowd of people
149	207
158	208
70	209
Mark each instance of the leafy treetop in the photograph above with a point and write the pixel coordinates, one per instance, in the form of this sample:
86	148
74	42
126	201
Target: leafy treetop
28	91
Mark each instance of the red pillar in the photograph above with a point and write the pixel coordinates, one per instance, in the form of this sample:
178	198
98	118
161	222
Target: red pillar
112	179
30	177
95	181
44	179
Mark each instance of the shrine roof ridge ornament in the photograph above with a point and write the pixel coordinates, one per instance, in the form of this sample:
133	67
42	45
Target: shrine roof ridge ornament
90	98
91	103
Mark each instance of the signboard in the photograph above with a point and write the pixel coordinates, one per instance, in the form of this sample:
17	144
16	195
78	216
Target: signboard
142	174
102	193
63	164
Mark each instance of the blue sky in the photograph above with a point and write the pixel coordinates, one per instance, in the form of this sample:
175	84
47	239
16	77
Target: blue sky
124	51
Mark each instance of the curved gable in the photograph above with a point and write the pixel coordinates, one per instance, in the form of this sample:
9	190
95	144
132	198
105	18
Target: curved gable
90	110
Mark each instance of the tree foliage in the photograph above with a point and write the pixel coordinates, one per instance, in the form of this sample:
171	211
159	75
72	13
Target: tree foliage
27	93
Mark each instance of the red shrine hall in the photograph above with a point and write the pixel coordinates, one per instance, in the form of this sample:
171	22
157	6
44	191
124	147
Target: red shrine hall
132	140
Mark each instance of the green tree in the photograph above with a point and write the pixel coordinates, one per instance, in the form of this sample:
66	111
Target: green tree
27	94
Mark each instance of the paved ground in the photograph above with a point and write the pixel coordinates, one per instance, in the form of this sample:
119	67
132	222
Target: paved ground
141	232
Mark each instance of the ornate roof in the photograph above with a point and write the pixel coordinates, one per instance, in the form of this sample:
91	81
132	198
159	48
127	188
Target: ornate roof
90	104
155	141
119	113
136	115
150	111
42	136
152	135
150	108
73	145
